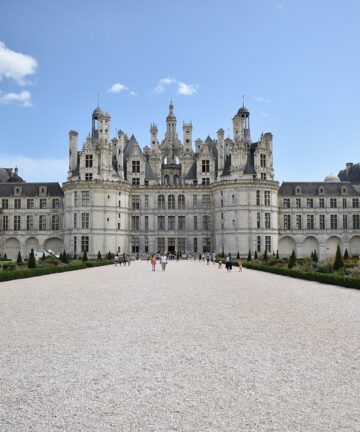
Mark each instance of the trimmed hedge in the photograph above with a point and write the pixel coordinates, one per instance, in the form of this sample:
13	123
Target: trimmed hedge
7	275
326	278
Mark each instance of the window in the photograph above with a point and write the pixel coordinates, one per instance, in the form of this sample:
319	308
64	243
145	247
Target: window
258	197
195	243
258	243
146	225
322	222
181	202
286	203
29	222
75	220
268	243
75	198
310	203
55	203
135	202
135	181
171	202
267	221
355	202
321	202
43	203
195	223
171	223
161	223
88	161
5	224
42	223
258	220
181	222
135	166
263	160
30	203
287	222
55	222
85	198
206	222
161	245
5	204
206	201
298	202
205	166
88	176
195	201
205	181
310	222
17	223
146	245
344	203
17	203
222	202
161	202
206	244
333	203
298	222
135	223
75	245
263	176
267	198
85	220
119	225
146	204
345	222
356	221
333	221
84	243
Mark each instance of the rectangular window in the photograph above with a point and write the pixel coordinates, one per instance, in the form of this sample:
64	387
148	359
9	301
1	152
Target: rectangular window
84	243
29	222
5	224
161	245
5	204
181	202
88	176
181	244
298	222
194	201
310	203
146	225
17	223
267	198
135	181
344	202
171	223
258	220
286	202
135	223
43	203
195	242
206	244
55	222
135	202
322	222
205	181
298	202
135	244
75	198
321	202
345	222
88	161
267	221
85	218
310	222
75	220
258	198
146	245
17	203
287	222
55	203
268	243
146	202
42	223
195	223
181	222
333	202
258	243
205	166
333	222
356	221
161	223
75	245
135	166
30	203
206	203
355	202
263	161
85	198
206	222
263	176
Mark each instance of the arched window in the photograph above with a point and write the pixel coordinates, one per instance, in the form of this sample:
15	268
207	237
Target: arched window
166	180
176	180
171	202
181	202
161	202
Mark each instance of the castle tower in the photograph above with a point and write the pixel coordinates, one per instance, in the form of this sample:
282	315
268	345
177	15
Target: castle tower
187	137
241	126
171	122
100	128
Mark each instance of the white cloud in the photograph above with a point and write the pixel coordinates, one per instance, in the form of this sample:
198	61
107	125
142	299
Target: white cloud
16	66
24	98
186	89
261	99
117	88
164	82
37	170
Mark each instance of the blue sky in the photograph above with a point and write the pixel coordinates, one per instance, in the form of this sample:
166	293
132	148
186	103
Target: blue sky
297	63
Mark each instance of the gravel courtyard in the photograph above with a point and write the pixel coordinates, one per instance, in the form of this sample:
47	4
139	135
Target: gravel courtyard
192	349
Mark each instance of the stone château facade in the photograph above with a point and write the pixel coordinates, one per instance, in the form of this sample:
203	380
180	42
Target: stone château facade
178	195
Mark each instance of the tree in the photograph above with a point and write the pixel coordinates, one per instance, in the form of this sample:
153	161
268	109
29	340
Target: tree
65	258
265	256
99	256
5	256
339	262
43	257
85	258
315	257
109	256
346	255
255	255
249	256
19	259
292	260
32	260
312	255
238	255
277	254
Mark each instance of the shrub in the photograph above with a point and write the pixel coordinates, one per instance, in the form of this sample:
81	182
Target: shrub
43	257
339	262
238	255
255	255
5	256
249	256
277	254
19	259
99	256
32	260
292	260
315	257
85	258
265	256
346	255
109	256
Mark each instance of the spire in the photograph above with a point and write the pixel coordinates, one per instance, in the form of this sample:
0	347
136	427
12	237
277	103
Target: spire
171	122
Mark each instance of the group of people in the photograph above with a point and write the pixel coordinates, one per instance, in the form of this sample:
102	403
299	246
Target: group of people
122	259
163	261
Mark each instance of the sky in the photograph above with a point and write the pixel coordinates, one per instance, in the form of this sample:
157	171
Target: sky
296	63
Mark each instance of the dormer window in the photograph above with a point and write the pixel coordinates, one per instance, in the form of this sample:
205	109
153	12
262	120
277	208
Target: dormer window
205	166
298	190
344	190
136	166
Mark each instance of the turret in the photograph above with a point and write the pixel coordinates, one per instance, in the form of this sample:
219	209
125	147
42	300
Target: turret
73	151
187	137
154	145
241	126
171	122
100	129
221	150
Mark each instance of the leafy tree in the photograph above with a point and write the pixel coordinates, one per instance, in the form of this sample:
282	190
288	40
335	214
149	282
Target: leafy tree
85	258
339	262
346	255
315	258
255	255
292	260
99	256
249	256
277	254
19	259
32	260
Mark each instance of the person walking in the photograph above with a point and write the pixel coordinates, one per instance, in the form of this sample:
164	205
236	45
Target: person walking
163	262
208	259
228	262
240	265
153	262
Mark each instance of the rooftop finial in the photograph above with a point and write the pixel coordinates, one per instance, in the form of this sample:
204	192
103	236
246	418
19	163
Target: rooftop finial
243	98
98	101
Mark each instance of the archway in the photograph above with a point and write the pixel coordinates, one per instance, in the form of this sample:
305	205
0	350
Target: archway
331	245
12	247
310	244
354	246
286	246
54	243
31	243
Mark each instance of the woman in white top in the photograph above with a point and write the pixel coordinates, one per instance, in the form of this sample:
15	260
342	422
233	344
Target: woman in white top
163	262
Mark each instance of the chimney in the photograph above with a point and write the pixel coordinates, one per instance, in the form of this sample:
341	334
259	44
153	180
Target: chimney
16	170
349	166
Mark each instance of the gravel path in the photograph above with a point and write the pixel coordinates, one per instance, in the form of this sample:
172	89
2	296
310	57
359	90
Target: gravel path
191	349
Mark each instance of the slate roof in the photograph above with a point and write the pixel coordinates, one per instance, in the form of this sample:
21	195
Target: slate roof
149	173
191	175
352	175
227	166
31	189
249	167
312	188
